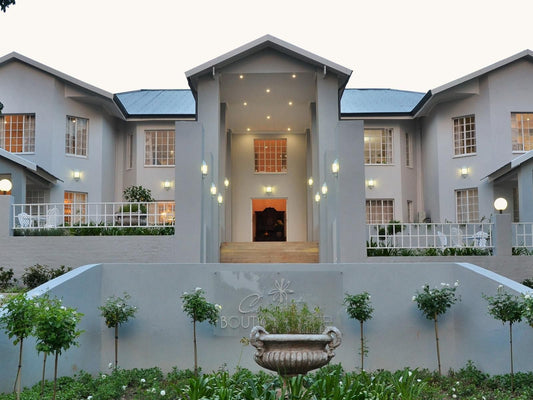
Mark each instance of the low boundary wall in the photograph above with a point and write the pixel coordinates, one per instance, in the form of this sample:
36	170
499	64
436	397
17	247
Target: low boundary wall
161	334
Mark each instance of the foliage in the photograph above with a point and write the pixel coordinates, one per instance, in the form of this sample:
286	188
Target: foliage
19	317
291	318
198	308
358	306
528	282
135	194
527	308
94	230
116	311
4	4
374	250
6	279
504	306
134	208
434	302
38	274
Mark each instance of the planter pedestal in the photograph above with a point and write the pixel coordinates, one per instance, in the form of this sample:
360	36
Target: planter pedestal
291	355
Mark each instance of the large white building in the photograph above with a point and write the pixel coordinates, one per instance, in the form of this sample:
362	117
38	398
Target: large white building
264	119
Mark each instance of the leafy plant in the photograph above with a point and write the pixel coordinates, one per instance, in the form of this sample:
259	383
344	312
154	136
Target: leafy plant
528	282
56	330
358	307
506	308
290	318
136	194
38	274
116	311
199	309
6	279
18	321
434	302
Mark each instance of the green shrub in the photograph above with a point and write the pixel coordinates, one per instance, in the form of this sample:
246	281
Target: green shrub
291	318
6	279
38	274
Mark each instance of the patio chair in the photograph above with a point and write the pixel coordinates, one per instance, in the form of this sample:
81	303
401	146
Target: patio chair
24	220
52	218
442	239
480	239
456	237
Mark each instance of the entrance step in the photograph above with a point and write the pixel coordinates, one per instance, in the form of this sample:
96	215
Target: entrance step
269	252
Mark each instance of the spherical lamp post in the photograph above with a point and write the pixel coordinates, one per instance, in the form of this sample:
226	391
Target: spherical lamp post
500	204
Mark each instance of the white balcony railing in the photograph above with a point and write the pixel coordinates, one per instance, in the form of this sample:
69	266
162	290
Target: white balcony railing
430	235
523	235
88	215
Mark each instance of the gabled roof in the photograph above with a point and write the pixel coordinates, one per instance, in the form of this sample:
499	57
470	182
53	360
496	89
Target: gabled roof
177	103
28	165
510	166
260	44
363	102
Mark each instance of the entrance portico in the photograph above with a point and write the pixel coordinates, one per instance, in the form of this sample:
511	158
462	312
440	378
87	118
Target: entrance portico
267	120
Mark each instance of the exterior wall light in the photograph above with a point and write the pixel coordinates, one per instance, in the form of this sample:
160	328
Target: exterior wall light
268	189
500	204
335	168
167	184
371	183
317	197
226	182
324	189
213	189
204	168
5	186
220	199
76	175
464	172
310	181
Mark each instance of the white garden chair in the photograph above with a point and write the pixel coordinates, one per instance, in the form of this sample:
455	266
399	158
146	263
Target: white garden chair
456	237
442	239
52	218
24	220
480	239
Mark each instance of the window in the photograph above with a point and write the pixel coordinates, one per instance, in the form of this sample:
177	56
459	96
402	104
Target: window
17	133
522	131
76	139
378	146
270	155
159	148
464	135
408	150
467	205
129	152
379	211
409	211
75	208
37	196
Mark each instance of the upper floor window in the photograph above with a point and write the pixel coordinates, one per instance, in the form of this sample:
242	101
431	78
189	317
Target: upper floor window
17	133
408	150
378	146
159	148
270	155
467	205
129	151
522	131
464	135
76	139
379	211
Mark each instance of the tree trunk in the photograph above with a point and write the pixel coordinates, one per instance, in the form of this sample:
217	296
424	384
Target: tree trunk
116	346
195	351
362	347
16	388
42	380
55	376
437	342
511	344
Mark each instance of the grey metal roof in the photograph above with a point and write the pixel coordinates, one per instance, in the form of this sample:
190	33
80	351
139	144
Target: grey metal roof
157	103
379	101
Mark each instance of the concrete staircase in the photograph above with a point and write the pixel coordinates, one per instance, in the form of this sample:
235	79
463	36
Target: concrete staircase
269	252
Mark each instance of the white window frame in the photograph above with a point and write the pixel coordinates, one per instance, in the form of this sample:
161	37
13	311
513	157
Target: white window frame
522	131
466	205
27	130
129	151
408	150
77	137
78	205
159	148
268	160
379	147
464	135
379	211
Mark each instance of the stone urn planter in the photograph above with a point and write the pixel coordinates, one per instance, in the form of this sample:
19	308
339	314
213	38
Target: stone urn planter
294	354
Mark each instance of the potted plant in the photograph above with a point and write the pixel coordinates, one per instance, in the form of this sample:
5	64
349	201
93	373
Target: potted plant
135	213
292	339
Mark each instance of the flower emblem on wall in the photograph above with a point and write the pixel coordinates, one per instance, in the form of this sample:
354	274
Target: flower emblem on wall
281	290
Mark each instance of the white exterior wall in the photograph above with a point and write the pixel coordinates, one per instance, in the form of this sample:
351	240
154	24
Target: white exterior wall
247	185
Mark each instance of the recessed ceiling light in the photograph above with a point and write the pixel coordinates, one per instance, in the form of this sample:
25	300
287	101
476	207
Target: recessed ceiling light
290	103
289	129
268	90
247	129
294	75
268	116
241	76
245	103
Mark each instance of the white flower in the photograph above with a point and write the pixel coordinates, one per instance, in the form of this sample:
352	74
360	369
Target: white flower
500	286
457	383
419	380
110	365
124	387
153	390
442	284
218	306
47	308
197	289
410	373
453	389
454	396
63	308
456	283
89	397
162	393
185	293
143	380
414	298
104	376
401	379
527	296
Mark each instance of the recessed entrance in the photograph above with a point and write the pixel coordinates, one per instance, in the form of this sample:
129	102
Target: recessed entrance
269	219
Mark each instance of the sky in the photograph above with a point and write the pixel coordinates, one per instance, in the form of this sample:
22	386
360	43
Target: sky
122	45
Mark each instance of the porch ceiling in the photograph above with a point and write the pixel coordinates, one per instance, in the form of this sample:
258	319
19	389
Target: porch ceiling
251	109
